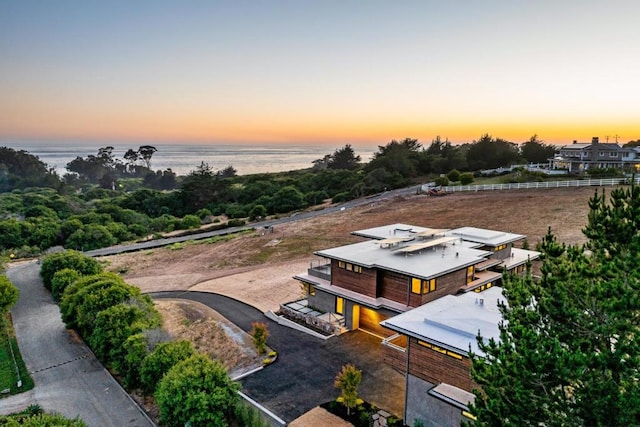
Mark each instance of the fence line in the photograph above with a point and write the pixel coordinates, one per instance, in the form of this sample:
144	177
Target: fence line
543	184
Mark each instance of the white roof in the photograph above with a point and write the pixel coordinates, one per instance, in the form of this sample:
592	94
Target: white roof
453	322
395	231
426	263
484	236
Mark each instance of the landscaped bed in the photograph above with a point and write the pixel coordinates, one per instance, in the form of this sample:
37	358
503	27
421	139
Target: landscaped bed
361	416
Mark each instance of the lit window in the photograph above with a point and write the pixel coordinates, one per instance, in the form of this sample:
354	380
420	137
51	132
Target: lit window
312	290
341	264
357	269
470	274
339	305
349	267
416	285
428	286
441	350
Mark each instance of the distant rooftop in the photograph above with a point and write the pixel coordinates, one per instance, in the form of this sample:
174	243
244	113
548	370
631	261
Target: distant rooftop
453	322
403	232
484	236
396	231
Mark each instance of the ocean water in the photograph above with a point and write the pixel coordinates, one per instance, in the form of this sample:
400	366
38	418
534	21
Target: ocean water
184	158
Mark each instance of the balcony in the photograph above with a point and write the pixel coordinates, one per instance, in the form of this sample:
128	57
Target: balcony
320	269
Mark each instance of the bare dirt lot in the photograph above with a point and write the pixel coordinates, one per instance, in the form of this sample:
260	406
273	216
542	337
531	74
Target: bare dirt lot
257	268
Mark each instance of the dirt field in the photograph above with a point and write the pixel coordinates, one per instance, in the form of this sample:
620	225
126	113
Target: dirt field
257	269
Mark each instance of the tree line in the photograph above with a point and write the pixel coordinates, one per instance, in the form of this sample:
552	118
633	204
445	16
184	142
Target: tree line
104	200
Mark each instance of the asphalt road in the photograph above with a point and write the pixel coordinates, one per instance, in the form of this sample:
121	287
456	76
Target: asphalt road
68	377
303	375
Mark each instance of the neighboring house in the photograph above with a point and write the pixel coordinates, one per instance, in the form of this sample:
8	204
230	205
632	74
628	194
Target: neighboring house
579	157
408	272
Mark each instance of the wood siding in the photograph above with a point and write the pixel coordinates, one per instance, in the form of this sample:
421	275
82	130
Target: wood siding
363	283
395	358
445	285
430	365
394	286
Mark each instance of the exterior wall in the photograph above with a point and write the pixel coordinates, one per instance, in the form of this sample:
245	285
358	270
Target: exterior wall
501	254
395	286
323	301
435	367
364	283
395	358
432	411
445	285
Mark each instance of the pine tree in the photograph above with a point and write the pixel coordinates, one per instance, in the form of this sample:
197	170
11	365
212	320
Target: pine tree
568	353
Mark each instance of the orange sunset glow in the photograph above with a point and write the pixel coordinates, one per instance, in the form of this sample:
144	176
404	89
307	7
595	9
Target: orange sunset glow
328	72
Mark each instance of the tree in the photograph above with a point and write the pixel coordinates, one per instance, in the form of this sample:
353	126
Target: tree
19	169
348	381
8	294
288	199
197	391
259	333
490	153
536	151
344	158
164	357
131	157
568	352
401	157
145	152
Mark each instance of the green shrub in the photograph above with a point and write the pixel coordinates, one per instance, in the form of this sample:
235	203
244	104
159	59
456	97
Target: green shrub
161	360
62	279
197	391
68	259
466	178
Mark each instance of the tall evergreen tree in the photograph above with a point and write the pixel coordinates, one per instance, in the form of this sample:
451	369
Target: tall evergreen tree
568	352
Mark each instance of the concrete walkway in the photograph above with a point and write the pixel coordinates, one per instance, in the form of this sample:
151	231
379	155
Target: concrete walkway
303	375
68	378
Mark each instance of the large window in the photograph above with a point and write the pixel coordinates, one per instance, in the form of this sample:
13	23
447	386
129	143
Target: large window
419	286
339	305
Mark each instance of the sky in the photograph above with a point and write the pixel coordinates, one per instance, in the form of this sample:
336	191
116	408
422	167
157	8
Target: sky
330	71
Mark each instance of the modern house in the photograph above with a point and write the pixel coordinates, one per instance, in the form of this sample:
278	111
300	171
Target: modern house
580	157
425	292
438	337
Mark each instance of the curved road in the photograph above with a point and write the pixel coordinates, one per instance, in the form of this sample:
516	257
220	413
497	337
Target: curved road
302	377
68	377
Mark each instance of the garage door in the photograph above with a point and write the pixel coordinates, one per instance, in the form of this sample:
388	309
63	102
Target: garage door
370	322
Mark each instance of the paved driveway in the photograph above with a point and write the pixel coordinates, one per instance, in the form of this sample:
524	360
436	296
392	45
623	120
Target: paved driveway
68	378
303	375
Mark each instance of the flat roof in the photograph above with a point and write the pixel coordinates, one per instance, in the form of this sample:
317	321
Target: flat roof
485	236
453	322
392	230
425	263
